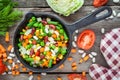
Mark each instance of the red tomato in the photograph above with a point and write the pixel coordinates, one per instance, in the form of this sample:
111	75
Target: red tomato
86	39
76	77
98	3
2	67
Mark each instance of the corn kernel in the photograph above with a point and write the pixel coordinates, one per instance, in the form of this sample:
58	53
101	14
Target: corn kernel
60	56
23	30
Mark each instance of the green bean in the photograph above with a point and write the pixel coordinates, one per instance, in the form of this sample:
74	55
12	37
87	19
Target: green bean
21	32
65	36
29	59
63	51
30	24
50	63
53	22
36	24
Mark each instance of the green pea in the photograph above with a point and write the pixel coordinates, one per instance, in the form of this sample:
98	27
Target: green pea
44	52
42	43
33	19
19	45
61	31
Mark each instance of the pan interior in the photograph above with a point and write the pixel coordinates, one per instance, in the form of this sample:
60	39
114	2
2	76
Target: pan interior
22	25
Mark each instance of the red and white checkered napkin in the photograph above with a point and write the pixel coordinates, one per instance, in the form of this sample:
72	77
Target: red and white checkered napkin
110	48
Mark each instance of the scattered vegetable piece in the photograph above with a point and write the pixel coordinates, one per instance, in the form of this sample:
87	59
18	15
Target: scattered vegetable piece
69	58
98	3
74	68
7	37
84	73
30	73
76	77
59	78
9	48
74	64
73	50
61	66
2	67
86	58
81	60
38	77
86	39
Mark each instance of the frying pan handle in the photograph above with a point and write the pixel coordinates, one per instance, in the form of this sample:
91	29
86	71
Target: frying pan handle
92	18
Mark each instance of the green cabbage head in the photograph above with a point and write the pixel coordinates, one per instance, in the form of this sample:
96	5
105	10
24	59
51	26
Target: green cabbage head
65	7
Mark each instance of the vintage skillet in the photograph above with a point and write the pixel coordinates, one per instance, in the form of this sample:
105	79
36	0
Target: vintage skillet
69	28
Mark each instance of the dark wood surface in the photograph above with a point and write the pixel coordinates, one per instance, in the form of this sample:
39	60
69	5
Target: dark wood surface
38	6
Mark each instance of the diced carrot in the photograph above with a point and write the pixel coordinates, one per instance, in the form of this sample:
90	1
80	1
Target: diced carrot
42	49
84	73
61	66
86	58
24	69
74	68
5	59
16	66
24	37
24	44
59	78
54	62
13	73
4	55
10	61
64	45
2	49
59	43
7	37
73	50
21	65
26	41
29	36
38	77
17	73
49	53
74	64
54	35
62	37
69	58
9	48
30	73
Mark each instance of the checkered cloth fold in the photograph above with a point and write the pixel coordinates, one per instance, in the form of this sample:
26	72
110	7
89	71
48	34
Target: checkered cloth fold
110	48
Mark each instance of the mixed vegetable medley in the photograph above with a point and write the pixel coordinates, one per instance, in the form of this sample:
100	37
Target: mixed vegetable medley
43	42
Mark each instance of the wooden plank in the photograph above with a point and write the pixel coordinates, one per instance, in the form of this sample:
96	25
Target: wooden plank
47	77
43	3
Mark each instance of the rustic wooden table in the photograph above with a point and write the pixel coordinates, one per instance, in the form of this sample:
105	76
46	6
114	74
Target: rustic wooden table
37	6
